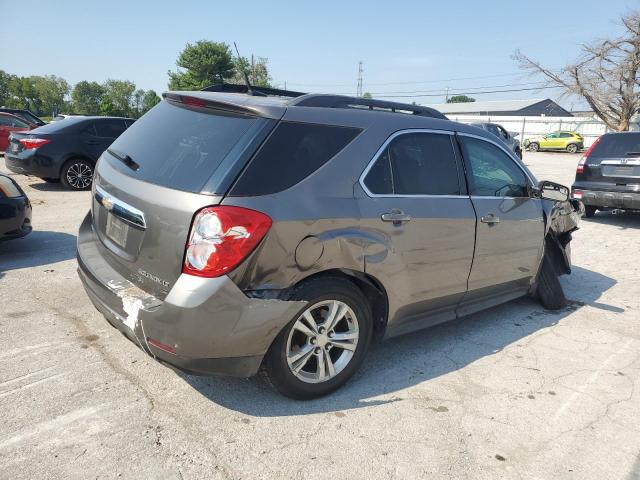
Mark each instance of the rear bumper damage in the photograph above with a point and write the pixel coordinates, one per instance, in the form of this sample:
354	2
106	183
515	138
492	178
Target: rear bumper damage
204	326
607	199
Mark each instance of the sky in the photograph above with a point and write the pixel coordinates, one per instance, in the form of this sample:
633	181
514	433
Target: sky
411	50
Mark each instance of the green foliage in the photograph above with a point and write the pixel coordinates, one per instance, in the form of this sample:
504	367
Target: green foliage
149	100
204	64
460	99
86	98
366	95
257	71
119	95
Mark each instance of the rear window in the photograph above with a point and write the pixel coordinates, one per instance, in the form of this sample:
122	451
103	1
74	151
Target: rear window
617	145
293	152
180	148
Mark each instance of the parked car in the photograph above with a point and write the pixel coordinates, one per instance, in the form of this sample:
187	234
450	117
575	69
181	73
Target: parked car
65	151
61	116
8	124
608	174
509	138
25	115
231	232
15	210
572	142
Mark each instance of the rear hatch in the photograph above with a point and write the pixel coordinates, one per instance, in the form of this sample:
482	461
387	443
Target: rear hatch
175	160
614	160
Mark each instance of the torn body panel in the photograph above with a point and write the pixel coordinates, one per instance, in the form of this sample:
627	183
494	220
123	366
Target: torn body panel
208	322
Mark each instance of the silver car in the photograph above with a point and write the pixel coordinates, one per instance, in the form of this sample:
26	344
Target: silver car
232	233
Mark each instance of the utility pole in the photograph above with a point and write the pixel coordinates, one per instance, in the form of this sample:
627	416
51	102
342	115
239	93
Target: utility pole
446	100
359	87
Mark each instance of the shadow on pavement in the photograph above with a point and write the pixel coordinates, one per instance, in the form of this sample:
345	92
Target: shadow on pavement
402	362
623	220
49	187
36	249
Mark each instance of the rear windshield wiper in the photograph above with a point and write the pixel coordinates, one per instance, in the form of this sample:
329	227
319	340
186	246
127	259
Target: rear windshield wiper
124	158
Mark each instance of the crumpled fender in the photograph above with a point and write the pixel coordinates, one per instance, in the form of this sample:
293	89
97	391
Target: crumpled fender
561	219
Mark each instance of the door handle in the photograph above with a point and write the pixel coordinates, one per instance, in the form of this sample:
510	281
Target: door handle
396	217
490	218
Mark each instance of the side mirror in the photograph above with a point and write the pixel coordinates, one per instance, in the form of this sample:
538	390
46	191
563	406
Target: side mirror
553	191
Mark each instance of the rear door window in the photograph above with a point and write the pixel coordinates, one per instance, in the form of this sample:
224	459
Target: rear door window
292	152
109	128
178	147
415	164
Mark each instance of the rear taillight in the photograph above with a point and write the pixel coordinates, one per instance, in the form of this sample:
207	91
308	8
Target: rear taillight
30	143
583	160
577	194
221	237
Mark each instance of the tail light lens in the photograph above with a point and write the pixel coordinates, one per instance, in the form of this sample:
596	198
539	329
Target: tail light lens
221	237
577	194
583	160
30	143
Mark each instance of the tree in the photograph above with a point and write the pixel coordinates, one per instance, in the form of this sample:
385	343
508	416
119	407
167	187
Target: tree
366	95
5	92
257	71
149	100
50	92
86	98
605	75
118	98
460	99
204	64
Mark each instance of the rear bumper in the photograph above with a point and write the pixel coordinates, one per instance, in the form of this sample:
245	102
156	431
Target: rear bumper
608	199
212	326
15	218
29	162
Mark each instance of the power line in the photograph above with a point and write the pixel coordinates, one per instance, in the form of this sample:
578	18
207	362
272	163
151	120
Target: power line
541	83
415	82
468	93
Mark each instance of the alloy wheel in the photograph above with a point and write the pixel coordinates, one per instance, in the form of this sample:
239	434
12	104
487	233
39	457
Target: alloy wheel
322	341
79	175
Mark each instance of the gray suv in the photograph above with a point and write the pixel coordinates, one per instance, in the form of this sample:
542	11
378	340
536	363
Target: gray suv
232	233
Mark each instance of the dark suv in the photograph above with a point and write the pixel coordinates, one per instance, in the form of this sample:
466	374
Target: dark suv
608	175
231	232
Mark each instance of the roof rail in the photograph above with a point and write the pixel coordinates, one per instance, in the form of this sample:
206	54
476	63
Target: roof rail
329	100
341	101
260	91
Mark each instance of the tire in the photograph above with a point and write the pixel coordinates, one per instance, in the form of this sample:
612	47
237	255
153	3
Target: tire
589	211
572	148
51	180
549	290
302	378
534	146
77	174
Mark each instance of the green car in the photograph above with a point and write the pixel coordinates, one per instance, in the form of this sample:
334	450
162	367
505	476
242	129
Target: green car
572	142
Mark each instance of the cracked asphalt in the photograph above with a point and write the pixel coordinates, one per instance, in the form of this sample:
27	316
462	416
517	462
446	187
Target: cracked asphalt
512	392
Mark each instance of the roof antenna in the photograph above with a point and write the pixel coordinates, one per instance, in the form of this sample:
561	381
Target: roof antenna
250	89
